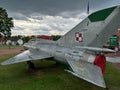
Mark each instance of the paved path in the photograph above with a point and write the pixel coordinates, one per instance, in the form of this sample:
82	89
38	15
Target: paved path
10	51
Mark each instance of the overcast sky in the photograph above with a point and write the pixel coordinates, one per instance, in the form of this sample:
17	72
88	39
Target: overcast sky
50	17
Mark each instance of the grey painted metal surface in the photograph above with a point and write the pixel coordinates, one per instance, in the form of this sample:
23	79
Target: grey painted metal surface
96	33
87	71
78	48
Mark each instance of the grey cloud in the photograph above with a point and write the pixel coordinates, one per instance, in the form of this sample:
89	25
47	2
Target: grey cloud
19	28
17	15
50	7
60	12
41	29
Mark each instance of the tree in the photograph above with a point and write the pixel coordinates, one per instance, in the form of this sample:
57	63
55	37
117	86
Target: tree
56	37
6	23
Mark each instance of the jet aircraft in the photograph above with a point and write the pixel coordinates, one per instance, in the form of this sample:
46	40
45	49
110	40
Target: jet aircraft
81	48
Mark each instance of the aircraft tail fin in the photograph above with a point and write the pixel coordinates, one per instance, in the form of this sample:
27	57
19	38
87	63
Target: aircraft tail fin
113	59
94	30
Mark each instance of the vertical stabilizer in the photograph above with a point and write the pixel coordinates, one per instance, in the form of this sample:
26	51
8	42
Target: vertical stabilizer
95	30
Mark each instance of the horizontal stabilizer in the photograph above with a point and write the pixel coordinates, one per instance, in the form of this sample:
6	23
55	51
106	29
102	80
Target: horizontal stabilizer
86	71
113	59
25	56
95	49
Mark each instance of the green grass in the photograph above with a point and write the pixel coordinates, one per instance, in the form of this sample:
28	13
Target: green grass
9	47
112	77
50	77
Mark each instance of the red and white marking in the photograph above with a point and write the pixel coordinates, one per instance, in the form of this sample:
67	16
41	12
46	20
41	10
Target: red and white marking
79	37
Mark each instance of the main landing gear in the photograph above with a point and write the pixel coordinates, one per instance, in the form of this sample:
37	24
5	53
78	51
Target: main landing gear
31	66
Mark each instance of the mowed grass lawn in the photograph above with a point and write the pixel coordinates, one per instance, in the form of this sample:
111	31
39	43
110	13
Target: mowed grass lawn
50	77
9	47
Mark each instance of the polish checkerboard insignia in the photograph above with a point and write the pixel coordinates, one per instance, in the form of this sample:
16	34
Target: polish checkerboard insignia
79	37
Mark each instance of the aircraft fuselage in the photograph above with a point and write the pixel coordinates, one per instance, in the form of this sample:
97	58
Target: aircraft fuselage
59	52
